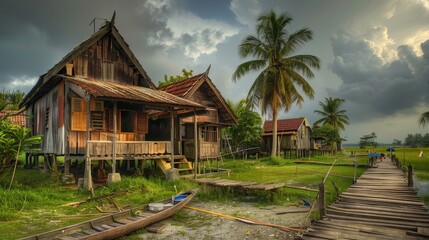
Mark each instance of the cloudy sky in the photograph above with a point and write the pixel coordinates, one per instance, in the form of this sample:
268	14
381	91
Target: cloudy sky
374	54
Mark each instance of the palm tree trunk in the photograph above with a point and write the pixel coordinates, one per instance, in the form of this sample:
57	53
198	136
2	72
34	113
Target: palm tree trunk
274	147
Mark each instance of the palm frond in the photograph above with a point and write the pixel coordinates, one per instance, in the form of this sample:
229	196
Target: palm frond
252	65
424	119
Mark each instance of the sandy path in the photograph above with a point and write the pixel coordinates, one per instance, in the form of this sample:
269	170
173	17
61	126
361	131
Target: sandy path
190	224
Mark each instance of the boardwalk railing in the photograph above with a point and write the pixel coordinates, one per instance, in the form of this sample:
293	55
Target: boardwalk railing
105	148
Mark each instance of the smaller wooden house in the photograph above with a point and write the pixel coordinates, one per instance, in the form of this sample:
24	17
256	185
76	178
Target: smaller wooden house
200	89
293	136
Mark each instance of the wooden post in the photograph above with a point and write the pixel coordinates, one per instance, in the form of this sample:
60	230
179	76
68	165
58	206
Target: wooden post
87	177
54	166
410	176
195	145
172	138
322	200
354	174
115	110
67	165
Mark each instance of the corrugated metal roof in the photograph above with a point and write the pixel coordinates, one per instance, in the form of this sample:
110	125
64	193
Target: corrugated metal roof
292	124
116	90
183	87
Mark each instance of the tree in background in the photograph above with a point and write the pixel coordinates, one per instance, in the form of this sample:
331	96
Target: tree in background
248	130
332	113
368	140
328	133
10	99
397	142
417	140
174	79
272	49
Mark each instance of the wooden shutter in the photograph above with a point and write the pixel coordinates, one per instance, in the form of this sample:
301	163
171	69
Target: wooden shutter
78	114
97	120
142	122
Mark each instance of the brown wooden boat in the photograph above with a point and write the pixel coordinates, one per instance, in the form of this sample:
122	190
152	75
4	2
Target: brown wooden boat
121	223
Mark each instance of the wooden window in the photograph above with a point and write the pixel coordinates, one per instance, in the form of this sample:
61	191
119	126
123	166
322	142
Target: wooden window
209	134
142	122
128	121
78	114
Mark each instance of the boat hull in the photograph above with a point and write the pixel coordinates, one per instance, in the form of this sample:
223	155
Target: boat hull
114	225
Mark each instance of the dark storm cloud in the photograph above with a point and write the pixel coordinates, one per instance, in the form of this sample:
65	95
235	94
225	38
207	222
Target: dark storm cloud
372	86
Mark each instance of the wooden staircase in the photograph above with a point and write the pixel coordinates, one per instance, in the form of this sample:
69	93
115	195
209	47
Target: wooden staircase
180	163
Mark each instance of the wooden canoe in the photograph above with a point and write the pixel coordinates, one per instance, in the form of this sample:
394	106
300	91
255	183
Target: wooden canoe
118	224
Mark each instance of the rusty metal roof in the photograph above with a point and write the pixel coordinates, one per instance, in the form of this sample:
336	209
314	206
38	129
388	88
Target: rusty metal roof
183	87
15	117
107	89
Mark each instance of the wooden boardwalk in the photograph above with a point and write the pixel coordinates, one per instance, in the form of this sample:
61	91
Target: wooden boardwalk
379	206
245	185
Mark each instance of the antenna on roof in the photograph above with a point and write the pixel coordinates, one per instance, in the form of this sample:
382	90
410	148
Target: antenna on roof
93	21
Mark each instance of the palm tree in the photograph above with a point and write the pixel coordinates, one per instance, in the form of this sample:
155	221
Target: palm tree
424	119
272	49
332	114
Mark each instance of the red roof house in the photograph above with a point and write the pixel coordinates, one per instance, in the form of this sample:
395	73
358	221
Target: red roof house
292	134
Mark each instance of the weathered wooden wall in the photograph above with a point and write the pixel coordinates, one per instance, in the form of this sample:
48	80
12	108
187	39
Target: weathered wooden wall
106	61
48	120
300	140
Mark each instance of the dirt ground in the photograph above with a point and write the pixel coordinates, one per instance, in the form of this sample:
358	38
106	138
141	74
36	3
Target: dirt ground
191	224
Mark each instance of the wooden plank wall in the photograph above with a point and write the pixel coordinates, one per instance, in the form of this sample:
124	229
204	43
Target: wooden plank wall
105	61
47	122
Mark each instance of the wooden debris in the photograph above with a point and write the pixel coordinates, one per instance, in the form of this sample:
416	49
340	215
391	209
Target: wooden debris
96	198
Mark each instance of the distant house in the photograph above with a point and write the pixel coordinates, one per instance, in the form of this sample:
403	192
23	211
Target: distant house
200	89
98	104
293	136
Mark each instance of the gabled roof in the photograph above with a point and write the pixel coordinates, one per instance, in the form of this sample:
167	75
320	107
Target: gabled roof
285	125
182	88
107	28
120	91
187	87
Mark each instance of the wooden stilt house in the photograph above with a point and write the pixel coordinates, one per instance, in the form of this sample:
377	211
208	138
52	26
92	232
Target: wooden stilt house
96	103
293	136
218	115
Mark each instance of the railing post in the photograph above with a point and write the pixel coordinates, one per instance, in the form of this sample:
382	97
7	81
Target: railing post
410	176
115	109
321	200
